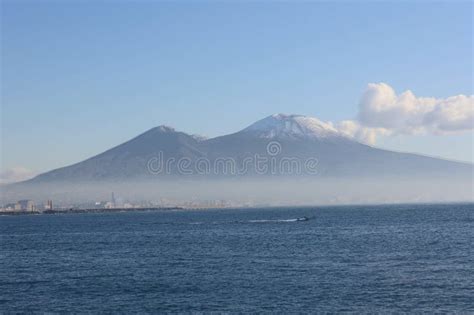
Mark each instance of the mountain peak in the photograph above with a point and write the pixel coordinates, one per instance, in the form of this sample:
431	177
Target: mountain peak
170	131
164	128
292	126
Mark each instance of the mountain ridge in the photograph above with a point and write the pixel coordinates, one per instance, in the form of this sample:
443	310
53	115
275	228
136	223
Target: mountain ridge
296	136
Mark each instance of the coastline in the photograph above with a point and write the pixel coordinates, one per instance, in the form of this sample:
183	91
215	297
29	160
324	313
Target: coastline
90	210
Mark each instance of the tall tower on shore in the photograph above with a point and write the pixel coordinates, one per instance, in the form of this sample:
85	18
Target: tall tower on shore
113	200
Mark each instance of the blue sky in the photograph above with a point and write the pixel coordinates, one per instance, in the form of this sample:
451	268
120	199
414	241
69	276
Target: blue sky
81	77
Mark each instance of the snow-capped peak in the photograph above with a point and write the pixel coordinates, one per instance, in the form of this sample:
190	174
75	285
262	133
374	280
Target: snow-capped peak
164	128
297	126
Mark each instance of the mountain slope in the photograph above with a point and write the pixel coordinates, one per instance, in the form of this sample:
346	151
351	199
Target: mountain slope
129	160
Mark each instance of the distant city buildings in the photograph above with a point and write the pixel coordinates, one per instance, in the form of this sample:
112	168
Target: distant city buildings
109	205
48	205
27	205
20	205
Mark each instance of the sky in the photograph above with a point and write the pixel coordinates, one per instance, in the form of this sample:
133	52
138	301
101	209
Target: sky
78	78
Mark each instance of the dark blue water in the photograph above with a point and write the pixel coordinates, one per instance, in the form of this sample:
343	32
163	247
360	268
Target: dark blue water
361	259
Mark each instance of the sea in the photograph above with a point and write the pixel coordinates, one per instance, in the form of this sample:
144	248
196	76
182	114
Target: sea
354	259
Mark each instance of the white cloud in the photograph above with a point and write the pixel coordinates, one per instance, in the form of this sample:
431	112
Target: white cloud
383	112
15	174
380	107
363	134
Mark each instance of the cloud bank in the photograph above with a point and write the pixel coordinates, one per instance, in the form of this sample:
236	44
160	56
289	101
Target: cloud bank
382	112
15	174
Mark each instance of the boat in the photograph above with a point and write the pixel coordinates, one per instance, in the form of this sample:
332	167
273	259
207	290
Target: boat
302	219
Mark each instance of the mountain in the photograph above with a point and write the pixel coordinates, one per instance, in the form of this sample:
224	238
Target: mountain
129	160
287	141
337	154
